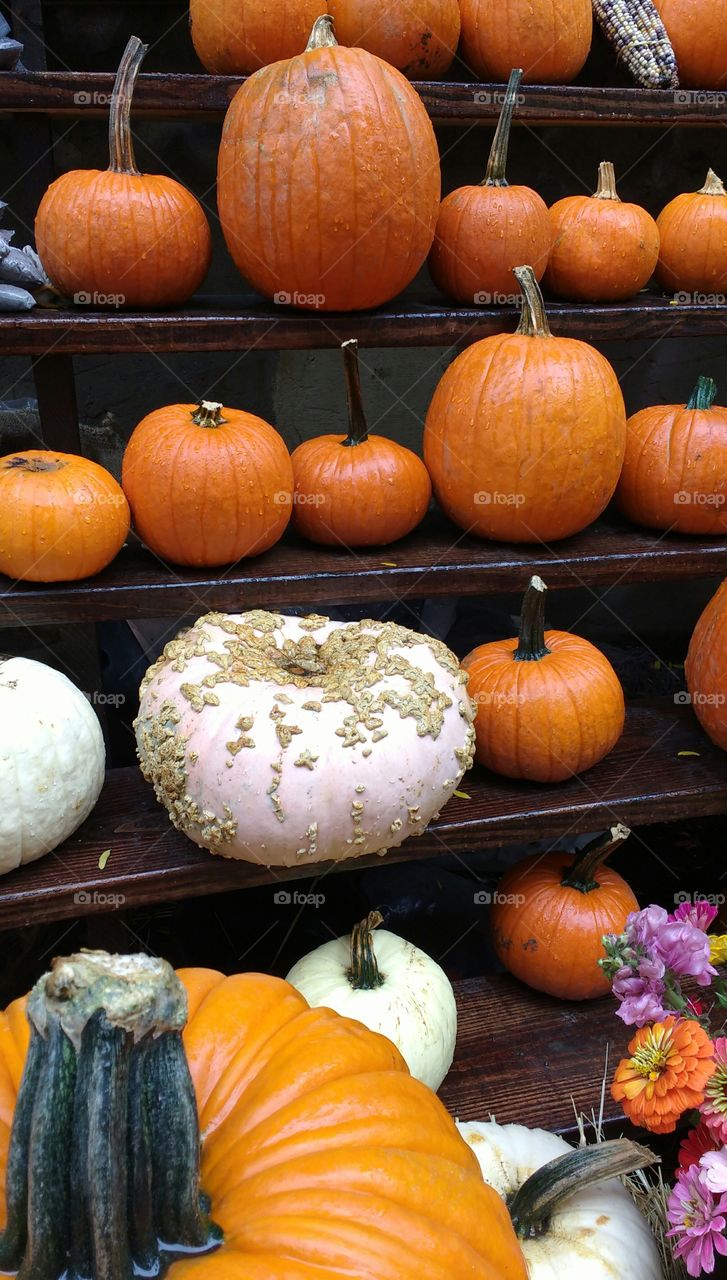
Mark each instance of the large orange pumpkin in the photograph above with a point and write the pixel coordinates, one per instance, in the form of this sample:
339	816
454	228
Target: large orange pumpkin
328	179
420	37
549	39
320	1157
550	915
235	37
698	32
484	232
207	485
693	231
62	517
525	436
119	238
706	668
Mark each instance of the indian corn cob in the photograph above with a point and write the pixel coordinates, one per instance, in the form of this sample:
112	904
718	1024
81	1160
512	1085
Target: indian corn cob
639	37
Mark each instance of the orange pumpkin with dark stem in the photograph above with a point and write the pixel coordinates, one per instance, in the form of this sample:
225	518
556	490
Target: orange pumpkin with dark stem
357	490
62	517
548	704
706	668
142	240
550	39
207	485
603	250
551	913
298	229
525	436
693	231
420	37
698	32
235	37
484	232
675	470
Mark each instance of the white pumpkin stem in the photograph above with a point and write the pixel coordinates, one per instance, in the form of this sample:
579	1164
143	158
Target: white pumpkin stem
323	35
497	164
532	1207
606	189
364	973
714	186
208	414
121	143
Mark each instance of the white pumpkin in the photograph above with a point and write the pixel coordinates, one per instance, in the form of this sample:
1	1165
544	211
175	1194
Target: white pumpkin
52	760
290	741
597	1233
390	986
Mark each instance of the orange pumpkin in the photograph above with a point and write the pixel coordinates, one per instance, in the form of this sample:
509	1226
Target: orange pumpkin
603	250
118	237
675	470
525	436
706	668
235	37
357	490
420	37
551	913
320	1155
207	485
693	231
484	232
550	39
299	230
548	704
62	517
698	32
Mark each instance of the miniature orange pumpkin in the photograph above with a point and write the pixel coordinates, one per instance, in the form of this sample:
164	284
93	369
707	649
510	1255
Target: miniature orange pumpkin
706	668
420	37
693	231
550	39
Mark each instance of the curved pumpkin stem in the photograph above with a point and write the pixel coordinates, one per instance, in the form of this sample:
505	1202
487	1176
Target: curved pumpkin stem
364	973
358	428
714	186
19	463
534	321
323	35
606	189
121	144
703	395
497	164
208	414
532	1207
582	875
531	642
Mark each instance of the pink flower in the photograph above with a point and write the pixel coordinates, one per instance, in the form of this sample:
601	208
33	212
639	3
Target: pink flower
714	1171
696	1144
714	1107
643	927
701	914
641	1000
697	1220
685	950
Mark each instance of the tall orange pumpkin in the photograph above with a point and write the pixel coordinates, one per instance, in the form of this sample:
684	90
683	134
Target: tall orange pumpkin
706	668
207	485
693	231
328	179
550	39
698	32
525	436
420	37
235	37
484	232
118	237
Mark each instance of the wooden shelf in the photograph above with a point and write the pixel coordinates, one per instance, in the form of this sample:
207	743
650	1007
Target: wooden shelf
436	560
644	780
240	323
88	93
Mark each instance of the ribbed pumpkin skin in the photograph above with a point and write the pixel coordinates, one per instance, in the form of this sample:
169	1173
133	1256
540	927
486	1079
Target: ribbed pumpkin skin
207	495
321	1155
670	451
235	37
549	39
294	224
140	237
603	250
552	941
482	233
420	37
706	668
525	437
693	253
698	32
58	525
548	719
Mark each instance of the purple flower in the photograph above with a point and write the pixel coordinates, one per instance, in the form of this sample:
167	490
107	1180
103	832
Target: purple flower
643	927
701	914
641	998
697	1220
685	950
714	1171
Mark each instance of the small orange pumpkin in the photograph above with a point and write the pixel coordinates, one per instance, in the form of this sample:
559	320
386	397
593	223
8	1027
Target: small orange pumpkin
62	517
235	37
118	237
698	32
420	37
207	485
706	668
484	232
603	250
548	704
551	913
693	231
675	470
357	490
551	39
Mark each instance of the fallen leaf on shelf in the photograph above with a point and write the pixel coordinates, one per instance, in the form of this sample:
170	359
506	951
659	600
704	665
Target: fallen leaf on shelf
388	564
104	859
463	795
689	753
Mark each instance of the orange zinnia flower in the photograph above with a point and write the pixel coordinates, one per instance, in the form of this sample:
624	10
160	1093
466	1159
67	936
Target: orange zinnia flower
665	1076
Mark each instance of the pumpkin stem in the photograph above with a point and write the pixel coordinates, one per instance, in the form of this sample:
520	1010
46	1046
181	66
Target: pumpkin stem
20	463
364	972
714	186
358	429
531	641
323	35
208	414
103	1164
703	395
606	189
534	321
532	1207
121	144
497	163
582	874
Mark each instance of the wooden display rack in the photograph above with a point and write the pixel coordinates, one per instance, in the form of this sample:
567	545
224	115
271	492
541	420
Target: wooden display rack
151	862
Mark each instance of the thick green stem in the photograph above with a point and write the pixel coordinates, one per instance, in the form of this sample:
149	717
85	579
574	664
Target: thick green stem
531	641
582	875
364	973
703	395
497	164
532	1207
121	143
358	429
533	321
